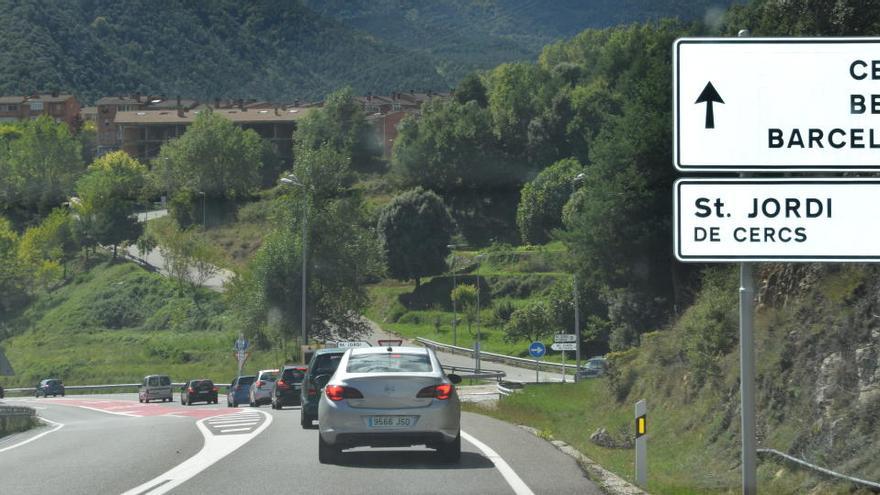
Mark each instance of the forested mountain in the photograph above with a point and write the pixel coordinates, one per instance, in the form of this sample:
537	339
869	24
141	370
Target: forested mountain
287	49
222	48
463	35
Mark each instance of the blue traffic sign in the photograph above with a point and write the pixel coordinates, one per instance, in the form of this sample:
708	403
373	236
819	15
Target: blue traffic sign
537	349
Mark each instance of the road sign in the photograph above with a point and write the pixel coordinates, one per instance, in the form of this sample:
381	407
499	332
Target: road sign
802	220
537	349
764	104
564	346
565	337
241	344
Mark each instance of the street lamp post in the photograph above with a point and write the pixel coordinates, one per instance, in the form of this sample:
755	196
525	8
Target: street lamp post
291	180
576	181
204	215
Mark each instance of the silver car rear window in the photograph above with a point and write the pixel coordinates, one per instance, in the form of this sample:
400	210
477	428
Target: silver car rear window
389	363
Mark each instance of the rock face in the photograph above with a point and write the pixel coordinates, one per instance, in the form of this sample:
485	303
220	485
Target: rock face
602	438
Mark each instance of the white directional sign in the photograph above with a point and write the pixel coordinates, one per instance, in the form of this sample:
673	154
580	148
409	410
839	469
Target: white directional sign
733	220
565	337
764	104
564	346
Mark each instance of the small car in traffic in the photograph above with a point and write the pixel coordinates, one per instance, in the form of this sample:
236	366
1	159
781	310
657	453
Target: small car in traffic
239	390
200	390
50	386
261	389
389	397
155	387
321	367
286	389
594	368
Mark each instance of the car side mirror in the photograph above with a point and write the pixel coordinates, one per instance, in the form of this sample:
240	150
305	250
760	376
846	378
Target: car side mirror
455	379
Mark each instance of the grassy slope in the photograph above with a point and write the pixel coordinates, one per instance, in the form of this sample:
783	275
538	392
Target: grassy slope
117	323
694	431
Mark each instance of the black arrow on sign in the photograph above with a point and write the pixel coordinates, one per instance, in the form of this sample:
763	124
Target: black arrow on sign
709	96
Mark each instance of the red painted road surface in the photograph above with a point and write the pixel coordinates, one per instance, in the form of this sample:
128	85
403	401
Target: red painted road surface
136	409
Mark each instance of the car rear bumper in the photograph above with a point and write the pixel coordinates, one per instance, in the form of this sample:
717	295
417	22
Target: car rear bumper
346	426
291	396
204	397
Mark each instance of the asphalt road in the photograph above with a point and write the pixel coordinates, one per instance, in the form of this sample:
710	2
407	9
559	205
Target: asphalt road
112	444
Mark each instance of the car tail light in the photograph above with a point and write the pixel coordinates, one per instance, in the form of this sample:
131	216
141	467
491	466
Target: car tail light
338	392
190	389
259	383
442	392
282	384
312	391
236	388
215	389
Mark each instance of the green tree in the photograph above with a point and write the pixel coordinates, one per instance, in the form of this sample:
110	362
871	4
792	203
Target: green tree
529	323
214	157
414	231
471	88
106	200
13	276
39	167
46	248
541	201
342	124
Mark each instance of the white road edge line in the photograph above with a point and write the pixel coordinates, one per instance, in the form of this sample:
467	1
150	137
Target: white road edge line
515	482
215	448
57	427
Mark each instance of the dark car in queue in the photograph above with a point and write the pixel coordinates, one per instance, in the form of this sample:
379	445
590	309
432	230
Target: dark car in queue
322	366
239	390
50	386
200	390
2	393
287	388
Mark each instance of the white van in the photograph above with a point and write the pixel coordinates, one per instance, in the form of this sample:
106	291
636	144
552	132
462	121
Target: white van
155	387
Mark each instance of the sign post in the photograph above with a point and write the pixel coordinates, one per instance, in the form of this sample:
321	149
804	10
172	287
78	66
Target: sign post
569	343
240	347
537	350
642	443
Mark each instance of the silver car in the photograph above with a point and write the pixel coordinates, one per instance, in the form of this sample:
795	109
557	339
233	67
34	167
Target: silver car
261	389
389	397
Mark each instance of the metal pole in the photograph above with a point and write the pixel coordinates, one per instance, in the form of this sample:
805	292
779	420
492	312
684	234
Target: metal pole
747	368
477	353
577	327
563	366
305	250
204	214
454	315
747	378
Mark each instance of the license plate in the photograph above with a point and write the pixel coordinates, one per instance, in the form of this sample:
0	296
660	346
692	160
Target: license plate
391	421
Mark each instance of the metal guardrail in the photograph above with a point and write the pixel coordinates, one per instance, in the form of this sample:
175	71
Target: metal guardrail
508	388
800	462
484	374
491	356
110	386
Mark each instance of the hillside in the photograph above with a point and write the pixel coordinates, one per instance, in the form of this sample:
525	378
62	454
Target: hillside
285	50
201	49
463	35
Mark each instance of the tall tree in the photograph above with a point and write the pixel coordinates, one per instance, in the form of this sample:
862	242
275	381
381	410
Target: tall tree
541	201
414	231
38	167
106	200
213	157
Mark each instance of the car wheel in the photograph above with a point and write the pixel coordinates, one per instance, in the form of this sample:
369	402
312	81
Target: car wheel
234	404
327	454
305	420
451	452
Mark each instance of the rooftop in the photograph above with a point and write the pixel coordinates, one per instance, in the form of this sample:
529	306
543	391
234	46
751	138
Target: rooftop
234	114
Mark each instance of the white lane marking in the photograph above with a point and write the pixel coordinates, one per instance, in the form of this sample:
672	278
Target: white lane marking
234	429
215	448
515	482
56	427
232	423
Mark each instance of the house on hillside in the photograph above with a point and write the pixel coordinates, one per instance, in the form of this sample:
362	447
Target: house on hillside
109	136
142	133
386	112
60	107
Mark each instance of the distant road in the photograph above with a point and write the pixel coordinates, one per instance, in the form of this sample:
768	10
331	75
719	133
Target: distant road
114	445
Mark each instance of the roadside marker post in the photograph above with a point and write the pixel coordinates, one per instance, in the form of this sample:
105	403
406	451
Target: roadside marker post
642	443
564	342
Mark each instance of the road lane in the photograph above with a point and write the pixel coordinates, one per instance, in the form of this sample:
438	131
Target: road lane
95	452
